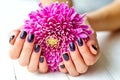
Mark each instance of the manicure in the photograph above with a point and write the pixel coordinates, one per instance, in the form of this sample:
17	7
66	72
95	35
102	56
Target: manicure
72	46
80	42
62	66
37	48
94	47
23	34
41	59
30	38
66	57
11	38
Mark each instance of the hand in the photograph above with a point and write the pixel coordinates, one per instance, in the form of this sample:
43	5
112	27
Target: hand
82	55
27	53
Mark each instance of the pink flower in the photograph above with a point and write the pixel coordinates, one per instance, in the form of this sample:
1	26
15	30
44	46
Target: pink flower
55	26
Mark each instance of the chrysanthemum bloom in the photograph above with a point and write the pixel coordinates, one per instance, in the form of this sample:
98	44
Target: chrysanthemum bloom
54	27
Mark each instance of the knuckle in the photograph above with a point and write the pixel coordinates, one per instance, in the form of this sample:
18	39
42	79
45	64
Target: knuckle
43	70
22	63
75	58
65	72
31	70
74	74
91	61
12	55
83	70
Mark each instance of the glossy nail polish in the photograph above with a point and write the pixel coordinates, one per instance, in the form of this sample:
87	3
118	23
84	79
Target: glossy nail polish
41	59
80	42
62	66
37	48
11	38
30	38
66	57
72	46
94	47
23	34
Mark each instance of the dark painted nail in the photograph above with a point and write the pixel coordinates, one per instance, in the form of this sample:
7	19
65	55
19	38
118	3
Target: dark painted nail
23	34
62	66
66	57
72	46
94	47
37	48
30	38
80	42
11	38
41	59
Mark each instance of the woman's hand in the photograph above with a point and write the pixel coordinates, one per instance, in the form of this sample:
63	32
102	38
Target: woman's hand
26	51
82	55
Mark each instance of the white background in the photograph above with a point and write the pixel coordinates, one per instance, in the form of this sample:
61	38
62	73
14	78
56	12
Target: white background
12	15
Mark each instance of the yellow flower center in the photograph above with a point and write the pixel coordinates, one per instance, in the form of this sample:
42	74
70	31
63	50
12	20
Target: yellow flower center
52	41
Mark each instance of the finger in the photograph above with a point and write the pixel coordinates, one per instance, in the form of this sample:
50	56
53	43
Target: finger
62	68
18	29
43	67
81	67
88	57
34	61
13	35
18	45
27	50
93	44
69	65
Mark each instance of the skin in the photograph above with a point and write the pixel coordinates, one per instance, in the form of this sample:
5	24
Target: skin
106	18
83	56
22	50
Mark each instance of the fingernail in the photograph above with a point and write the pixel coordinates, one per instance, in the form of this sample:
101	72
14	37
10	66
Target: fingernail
37	48
66	57
94	47
30	38
62	66
23	34
80	42
72	46
41	59
11	38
